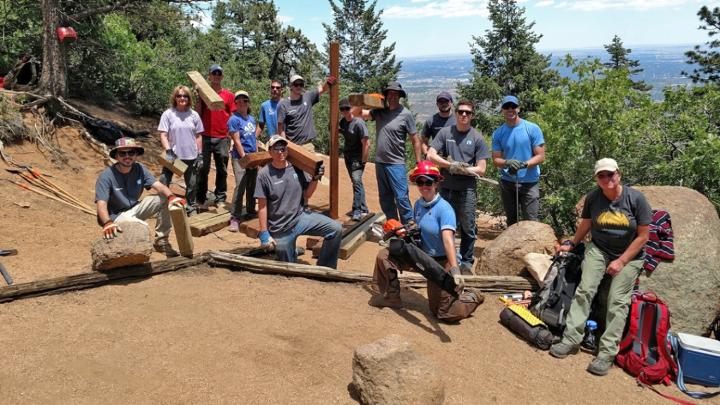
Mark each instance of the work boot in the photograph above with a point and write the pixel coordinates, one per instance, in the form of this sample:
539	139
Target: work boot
234	225
472	295
386	300
163	245
600	366
562	350
466	269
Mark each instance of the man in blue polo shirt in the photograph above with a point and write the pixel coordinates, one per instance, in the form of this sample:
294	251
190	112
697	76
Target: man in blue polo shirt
518	148
268	111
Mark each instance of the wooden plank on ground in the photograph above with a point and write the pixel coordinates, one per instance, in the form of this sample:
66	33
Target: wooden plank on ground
255	159
179	218
304	159
349	246
207	222
177	166
367	101
353	239
210	97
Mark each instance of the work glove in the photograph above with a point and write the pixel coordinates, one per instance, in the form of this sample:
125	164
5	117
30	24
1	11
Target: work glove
170	155
198	164
459	168
319	174
111	230
514	165
458	278
331	80
357	165
266	241
175	200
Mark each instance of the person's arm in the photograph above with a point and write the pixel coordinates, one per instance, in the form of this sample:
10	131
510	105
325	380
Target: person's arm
615	266
102	211
580	233
235	135
365	149
310	190
164	141
417	146
498	159
448	238
538	156
325	86
259	129
362	113
479	168
162	189
262	213
435	157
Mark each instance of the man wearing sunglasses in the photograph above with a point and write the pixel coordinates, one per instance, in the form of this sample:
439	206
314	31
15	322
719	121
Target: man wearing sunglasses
280	190
215	140
460	151
268	110
518	148
117	196
441	119
294	115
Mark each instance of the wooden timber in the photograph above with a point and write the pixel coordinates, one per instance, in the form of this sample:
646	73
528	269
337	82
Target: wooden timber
177	166
255	159
367	101
355	238
207	222
304	159
179	218
334	55
209	96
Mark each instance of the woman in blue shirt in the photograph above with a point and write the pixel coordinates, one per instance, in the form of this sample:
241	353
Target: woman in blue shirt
241	127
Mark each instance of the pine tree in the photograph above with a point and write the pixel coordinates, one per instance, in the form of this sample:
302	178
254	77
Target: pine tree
506	62
619	59
707	59
365	64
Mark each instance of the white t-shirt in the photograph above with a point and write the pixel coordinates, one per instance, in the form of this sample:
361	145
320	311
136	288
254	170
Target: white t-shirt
181	127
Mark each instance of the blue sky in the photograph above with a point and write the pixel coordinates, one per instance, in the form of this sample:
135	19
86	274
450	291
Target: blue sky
436	27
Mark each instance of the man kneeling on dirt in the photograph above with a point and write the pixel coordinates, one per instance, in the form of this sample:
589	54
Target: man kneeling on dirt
279	191
118	190
425	245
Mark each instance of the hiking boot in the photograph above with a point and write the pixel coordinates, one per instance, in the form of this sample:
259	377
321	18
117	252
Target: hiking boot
472	295
234	225
466	269
562	350
163	246
600	366
386	300
356	216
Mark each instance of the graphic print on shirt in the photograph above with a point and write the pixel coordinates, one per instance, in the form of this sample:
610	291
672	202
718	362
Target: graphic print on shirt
614	223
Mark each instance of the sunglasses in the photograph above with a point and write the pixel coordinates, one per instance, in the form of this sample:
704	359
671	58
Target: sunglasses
124	153
217	73
425	183
605	175
280	148
509	107
182	96
464	112
276	87
344	108
244	100
298	84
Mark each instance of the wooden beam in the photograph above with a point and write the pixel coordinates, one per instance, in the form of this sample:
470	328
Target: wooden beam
367	101
303	158
206	222
354	239
255	159
177	166
334	117
178	215
210	97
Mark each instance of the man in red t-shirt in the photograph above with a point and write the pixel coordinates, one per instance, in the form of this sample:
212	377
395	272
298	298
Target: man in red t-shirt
215	140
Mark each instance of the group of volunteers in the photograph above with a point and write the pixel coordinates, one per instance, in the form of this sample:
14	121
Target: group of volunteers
451	157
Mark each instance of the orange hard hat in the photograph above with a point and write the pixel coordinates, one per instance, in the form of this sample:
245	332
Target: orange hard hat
426	168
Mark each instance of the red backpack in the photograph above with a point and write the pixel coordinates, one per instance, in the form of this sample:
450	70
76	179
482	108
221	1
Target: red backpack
644	350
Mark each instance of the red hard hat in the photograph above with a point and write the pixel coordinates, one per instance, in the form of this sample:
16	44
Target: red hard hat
426	168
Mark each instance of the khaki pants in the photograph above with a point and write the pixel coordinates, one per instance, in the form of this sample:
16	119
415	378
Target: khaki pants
443	305
147	208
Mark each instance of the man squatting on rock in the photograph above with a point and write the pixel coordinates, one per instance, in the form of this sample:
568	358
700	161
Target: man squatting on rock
118	190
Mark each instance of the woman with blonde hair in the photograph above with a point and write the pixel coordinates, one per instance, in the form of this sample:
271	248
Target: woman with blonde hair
180	128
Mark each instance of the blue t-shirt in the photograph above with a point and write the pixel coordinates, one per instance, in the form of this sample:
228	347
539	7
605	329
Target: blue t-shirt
268	116
246	128
432	220
518	143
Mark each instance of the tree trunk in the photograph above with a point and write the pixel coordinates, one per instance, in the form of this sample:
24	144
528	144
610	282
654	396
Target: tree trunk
53	79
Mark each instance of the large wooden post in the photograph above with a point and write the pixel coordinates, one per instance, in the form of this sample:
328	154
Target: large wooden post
334	116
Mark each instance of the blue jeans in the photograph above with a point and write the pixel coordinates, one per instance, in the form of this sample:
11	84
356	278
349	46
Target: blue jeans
311	223
393	191
464	203
357	183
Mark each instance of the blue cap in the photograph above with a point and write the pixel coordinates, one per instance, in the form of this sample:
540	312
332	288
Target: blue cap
215	67
510	99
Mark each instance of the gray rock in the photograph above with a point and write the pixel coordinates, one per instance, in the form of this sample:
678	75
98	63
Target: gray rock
504	255
690	285
132	246
388	371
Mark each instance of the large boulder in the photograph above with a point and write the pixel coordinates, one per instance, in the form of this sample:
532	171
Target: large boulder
132	246
388	371
691	284
504	255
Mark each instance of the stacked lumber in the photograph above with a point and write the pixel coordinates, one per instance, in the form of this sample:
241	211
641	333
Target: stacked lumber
207	222
367	101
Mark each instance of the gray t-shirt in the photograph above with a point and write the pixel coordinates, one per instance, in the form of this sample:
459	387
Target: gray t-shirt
353	132
297	117
283	190
434	124
468	147
122	191
392	127
614	223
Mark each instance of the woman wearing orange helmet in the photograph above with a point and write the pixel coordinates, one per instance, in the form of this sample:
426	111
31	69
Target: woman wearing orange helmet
435	221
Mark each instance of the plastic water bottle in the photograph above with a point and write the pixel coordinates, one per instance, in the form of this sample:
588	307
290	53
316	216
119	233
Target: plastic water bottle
589	343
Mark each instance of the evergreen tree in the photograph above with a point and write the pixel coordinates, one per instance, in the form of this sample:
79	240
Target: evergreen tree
707	59
506	62
619	59
365	64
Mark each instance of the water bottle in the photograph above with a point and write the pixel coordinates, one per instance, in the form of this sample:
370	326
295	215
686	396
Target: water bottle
589	343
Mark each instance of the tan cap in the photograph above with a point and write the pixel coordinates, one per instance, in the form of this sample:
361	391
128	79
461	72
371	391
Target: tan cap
242	93
606	164
296	78
275	139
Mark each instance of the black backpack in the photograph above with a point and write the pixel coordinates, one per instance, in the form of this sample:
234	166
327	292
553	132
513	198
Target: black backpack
552	303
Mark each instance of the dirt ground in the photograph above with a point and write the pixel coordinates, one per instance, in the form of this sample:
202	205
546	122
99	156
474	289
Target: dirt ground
209	335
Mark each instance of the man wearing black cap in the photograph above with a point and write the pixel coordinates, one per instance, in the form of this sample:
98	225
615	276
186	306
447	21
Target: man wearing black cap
294	115
518	148
118	190
356	151
215	140
443	118
393	125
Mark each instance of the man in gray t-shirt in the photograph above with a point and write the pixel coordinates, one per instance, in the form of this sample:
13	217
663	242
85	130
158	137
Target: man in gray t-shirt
393	125
118	190
279	191
441	119
294	114
461	152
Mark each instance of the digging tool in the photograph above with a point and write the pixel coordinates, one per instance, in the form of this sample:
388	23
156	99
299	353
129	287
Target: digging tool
43	177
3	271
35	190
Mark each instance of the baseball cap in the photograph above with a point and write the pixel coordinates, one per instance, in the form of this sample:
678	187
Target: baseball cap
444	95
242	93
606	164
345	103
275	139
510	99
295	78
215	67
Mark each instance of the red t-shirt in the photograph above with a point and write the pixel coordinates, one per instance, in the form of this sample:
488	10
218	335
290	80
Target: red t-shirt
215	122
